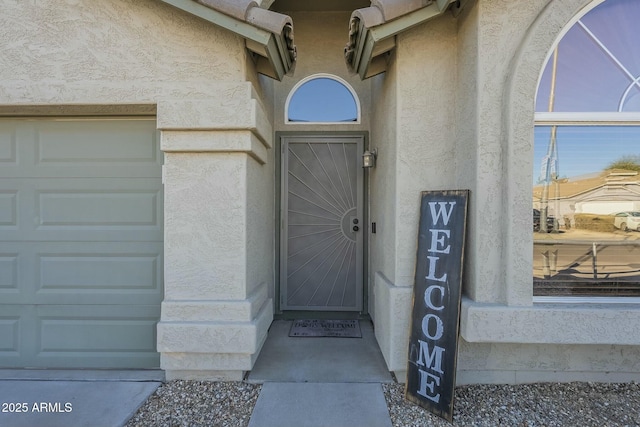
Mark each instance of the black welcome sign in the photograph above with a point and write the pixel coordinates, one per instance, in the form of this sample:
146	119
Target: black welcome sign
431	372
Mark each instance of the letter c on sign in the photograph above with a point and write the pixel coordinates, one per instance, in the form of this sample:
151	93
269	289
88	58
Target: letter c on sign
439	327
427	297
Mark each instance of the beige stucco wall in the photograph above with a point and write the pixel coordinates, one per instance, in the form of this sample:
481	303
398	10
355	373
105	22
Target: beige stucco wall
382	183
414	128
463	118
113	51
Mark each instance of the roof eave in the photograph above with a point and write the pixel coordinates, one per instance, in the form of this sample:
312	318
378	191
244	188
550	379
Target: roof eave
367	52
273	59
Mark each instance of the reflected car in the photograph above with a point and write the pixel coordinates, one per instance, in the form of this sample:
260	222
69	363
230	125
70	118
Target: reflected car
626	221
536	221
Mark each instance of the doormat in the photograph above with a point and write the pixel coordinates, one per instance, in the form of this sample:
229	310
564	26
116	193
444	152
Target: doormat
325	328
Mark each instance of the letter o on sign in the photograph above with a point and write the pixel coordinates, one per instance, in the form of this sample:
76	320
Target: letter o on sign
426	320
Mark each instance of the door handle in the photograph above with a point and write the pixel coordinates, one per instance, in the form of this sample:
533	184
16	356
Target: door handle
356	228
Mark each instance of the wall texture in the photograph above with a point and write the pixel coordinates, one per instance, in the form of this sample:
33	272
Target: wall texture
129	51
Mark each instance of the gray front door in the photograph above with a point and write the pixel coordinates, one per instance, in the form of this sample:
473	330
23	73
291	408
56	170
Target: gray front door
322	231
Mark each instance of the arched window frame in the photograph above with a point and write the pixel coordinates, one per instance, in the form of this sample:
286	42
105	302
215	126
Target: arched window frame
325	76
560	119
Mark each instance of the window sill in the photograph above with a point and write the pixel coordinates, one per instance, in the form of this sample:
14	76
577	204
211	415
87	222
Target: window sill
562	323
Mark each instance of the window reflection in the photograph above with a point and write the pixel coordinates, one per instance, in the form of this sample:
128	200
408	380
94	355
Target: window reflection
598	65
586	178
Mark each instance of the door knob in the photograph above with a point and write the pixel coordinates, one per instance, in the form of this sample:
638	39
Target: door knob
356	228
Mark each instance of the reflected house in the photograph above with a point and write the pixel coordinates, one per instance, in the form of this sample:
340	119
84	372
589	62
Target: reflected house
603	193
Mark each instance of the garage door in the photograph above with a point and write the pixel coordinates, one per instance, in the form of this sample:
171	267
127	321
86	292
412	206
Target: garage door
80	243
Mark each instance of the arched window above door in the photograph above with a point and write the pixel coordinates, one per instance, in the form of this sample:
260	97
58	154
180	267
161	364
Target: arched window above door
322	98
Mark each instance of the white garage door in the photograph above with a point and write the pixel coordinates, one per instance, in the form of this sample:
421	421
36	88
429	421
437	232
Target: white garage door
80	243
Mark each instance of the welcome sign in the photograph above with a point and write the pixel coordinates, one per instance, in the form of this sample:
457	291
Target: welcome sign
433	341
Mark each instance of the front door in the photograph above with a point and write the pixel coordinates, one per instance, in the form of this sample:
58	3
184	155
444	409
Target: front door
322	230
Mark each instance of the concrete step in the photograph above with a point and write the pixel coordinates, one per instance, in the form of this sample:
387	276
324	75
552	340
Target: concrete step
320	405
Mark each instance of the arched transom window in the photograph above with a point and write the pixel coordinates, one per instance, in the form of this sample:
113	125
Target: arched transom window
322	98
586	189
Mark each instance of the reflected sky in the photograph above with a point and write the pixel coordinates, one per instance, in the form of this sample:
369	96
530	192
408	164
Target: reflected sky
585	149
598	71
598	62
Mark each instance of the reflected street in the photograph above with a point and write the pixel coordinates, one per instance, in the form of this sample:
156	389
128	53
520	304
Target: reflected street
581	262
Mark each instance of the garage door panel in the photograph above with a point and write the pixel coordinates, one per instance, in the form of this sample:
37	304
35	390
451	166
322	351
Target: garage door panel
108	209
102	209
100	278
8	147
81	273
113	329
9	331
8	209
8	272
66	336
99	148
17	274
93	141
17	327
97	336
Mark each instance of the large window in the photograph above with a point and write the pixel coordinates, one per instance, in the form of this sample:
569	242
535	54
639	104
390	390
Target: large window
586	189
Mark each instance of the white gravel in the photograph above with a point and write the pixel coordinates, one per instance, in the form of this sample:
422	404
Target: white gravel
218	404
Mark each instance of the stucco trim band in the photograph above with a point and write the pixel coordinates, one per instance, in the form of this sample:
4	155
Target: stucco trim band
232	121
550	323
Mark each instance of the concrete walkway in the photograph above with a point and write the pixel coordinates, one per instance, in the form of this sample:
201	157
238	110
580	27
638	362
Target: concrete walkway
320	382
320	405
54	398
307	382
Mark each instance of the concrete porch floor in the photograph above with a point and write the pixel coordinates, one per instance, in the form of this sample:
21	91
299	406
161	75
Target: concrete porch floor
320	382
319	360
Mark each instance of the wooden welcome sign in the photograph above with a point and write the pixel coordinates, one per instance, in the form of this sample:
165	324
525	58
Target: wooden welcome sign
433	341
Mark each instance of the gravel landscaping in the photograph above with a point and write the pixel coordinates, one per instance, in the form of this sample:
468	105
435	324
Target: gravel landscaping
229	404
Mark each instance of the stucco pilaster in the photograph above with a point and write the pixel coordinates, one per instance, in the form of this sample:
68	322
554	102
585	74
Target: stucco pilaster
216	310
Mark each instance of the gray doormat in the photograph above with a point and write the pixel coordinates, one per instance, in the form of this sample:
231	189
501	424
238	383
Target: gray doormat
325	328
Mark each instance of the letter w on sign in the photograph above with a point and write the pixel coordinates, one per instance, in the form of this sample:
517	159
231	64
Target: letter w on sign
433	342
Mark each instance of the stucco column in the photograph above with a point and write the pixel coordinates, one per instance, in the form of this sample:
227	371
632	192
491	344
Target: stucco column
218	234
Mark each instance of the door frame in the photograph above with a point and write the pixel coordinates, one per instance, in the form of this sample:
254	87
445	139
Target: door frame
279	223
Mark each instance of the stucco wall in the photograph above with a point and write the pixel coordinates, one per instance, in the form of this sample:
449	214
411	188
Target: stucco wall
382	181
464	119
413	128
112	51
467	130
426	64
503	331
